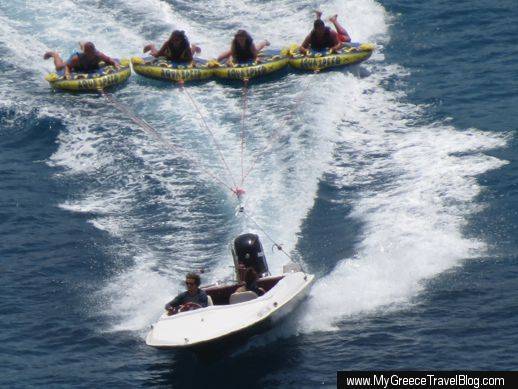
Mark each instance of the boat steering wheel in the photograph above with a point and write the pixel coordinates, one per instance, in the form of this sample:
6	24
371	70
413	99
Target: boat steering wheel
188	307
183	308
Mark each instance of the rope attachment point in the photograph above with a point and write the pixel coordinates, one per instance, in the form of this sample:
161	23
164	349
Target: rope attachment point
239	192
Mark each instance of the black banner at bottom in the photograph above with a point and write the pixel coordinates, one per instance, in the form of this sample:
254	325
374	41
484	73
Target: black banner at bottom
427	379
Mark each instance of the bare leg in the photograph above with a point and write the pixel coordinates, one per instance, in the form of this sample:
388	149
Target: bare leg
318	14
339	29
58	62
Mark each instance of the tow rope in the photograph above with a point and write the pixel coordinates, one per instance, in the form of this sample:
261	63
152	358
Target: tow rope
236	189
150	130
277	132
243	117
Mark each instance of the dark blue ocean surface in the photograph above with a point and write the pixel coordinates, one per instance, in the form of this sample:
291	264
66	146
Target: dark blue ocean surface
395	182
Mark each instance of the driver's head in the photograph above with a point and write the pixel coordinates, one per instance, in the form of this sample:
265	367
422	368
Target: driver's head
192	282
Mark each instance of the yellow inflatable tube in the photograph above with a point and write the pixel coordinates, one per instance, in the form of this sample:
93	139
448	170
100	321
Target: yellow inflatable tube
314	61
163	69
105	77
265	65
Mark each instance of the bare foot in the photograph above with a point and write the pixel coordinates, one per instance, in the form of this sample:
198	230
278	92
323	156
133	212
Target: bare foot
147	48
48	54
333	18
318	14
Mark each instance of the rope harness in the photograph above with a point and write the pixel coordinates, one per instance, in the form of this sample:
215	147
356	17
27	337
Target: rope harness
150	130
211	133
277	131
237	190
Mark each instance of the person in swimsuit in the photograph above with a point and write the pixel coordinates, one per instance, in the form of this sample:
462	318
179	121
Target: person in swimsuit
343	36
251	283
176	48
243	49
322	37
84	62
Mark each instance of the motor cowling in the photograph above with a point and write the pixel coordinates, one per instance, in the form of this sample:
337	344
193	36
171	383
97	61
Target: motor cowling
247	251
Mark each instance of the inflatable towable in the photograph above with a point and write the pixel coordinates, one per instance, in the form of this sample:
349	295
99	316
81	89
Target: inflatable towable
102	78
162	69
267	63
352	53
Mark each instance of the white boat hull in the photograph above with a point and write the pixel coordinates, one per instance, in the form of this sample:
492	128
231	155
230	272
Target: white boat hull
217	323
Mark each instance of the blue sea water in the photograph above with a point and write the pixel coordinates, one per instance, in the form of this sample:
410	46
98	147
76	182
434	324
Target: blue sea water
395	182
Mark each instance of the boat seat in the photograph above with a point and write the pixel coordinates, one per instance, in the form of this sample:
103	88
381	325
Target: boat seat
209	301
241	297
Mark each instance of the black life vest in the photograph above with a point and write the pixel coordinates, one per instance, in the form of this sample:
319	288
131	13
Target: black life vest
86	64
323	43
243	54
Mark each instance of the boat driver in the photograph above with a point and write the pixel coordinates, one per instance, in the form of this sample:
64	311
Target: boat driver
322	37
193	298
87	61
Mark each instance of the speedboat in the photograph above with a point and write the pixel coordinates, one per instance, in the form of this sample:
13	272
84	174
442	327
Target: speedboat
232	315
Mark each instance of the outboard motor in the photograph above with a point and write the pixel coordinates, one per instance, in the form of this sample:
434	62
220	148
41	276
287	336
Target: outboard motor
247	251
